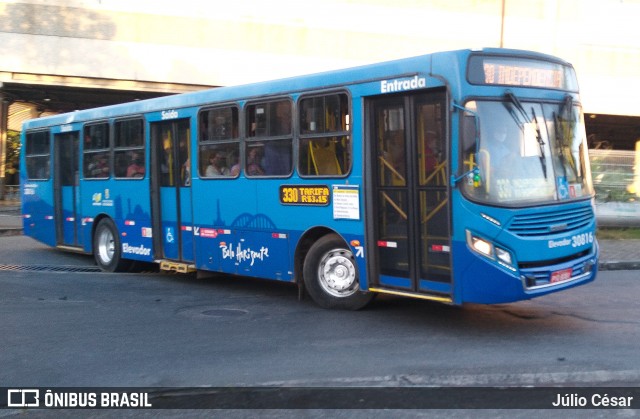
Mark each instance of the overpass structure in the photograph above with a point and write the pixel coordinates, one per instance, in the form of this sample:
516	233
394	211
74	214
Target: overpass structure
62	55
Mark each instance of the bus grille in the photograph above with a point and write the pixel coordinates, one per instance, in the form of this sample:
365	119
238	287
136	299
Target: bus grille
551	222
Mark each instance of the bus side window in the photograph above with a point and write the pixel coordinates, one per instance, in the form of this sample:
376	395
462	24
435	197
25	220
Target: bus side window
129	152
325	144
270	138
37	151
219	143
96	158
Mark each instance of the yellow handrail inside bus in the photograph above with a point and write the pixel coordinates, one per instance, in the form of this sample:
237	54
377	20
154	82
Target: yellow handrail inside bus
394	205
392	169
439	170
324	158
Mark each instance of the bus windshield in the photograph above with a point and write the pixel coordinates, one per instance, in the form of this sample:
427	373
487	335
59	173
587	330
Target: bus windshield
528	153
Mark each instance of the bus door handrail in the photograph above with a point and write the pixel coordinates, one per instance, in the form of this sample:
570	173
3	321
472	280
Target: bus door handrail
392	169
438	169
394	205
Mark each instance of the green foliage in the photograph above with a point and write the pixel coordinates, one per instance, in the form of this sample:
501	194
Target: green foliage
623	233
13	149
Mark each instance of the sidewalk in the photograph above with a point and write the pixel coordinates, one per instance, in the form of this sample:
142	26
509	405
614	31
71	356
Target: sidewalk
614	254
10	219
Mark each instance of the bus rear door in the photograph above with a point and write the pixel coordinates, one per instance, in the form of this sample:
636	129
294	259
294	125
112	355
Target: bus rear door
408	208
66	191
171	190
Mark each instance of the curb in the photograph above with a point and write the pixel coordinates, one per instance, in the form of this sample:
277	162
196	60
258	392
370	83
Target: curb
6	232
619	265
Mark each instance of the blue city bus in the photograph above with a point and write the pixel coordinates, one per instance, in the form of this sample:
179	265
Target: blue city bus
459	177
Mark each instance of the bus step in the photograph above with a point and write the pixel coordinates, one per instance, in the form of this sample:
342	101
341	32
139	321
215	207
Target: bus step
440	298
74	249
167	265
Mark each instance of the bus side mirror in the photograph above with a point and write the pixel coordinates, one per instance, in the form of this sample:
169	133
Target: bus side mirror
470	140
470	134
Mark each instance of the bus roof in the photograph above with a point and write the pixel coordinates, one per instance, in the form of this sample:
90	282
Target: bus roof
335	78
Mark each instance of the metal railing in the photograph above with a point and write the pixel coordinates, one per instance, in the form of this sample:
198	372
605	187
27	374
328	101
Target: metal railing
11	193
616	180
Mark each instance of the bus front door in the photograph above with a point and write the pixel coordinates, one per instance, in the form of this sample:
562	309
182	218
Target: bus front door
171	190
66	194
409	206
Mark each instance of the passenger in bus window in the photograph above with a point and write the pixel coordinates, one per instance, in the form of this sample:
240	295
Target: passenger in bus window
277	153
136	167
277	158
253	162
216	165
430	152
235	164
99	167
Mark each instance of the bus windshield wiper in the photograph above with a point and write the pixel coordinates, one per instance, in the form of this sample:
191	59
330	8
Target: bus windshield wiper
543	158
518	105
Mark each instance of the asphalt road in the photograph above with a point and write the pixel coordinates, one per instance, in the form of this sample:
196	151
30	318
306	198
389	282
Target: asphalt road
73	329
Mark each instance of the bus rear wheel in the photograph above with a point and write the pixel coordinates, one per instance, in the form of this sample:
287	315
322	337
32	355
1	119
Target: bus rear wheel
107	250
331	275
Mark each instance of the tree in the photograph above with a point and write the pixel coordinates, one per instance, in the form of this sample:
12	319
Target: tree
13	158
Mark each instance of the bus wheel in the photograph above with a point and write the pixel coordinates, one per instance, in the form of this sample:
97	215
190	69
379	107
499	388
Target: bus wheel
331	275
106	247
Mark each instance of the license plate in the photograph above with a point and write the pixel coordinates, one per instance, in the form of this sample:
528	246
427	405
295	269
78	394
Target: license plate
560	276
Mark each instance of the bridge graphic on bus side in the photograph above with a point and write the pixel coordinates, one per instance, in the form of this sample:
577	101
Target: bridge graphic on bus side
258	221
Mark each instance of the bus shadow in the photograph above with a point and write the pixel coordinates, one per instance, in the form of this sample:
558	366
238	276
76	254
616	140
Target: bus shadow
281	299
520	318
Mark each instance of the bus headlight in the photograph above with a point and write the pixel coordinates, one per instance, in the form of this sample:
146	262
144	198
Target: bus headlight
481	246
504	257
489	250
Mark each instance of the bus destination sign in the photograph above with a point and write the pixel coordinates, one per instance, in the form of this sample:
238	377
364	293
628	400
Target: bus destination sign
317	195
521	72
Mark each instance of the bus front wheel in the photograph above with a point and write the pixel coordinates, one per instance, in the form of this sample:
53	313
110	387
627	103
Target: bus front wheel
107	250
331	275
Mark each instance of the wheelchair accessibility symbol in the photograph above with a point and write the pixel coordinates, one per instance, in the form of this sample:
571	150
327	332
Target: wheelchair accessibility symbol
563	188
170	237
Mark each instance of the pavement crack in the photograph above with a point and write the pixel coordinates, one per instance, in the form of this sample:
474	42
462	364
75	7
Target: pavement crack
591	319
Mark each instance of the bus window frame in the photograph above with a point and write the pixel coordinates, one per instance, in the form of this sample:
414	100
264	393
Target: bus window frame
47	131
95	151
238	139
261	141
338	134
510	205
142	148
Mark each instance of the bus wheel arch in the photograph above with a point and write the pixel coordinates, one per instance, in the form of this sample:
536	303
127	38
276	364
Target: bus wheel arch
106	246
329	271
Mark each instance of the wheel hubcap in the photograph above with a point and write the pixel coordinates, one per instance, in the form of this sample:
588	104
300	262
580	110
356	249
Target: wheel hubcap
106	247
337	273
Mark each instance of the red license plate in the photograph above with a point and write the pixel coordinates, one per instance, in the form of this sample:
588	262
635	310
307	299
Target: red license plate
560	276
